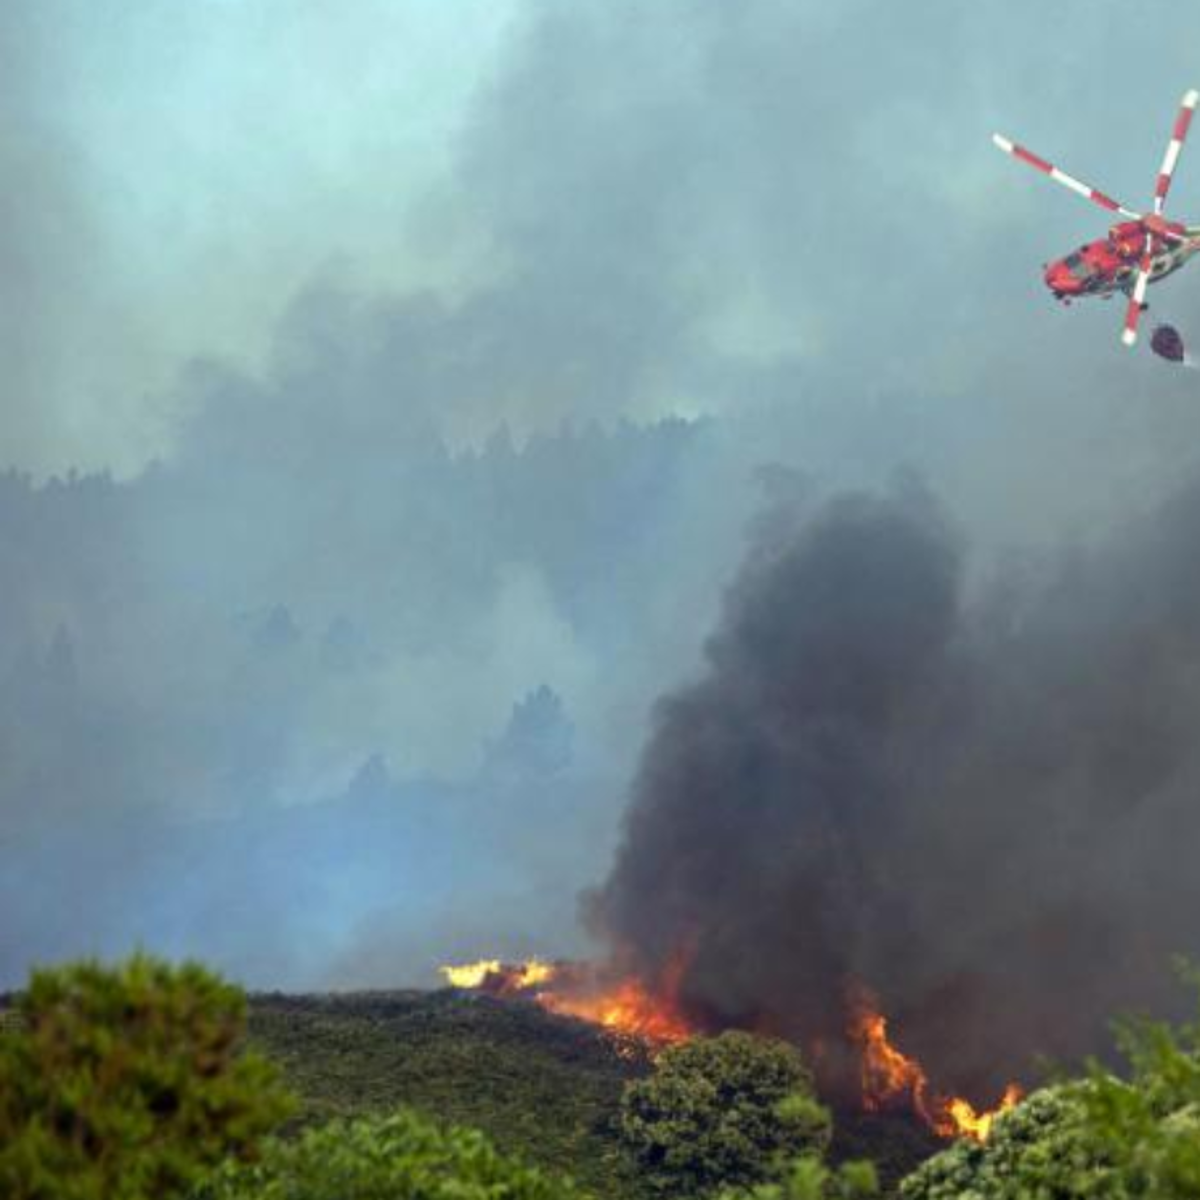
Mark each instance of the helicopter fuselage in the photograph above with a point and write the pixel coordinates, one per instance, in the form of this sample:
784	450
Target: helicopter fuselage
1110	264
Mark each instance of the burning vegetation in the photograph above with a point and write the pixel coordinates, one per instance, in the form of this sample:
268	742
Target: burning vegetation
949	793
625	1006
628	1008
891	1078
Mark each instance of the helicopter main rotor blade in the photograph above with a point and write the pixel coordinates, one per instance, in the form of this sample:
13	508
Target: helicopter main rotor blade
1085	190
1163	185
1133	314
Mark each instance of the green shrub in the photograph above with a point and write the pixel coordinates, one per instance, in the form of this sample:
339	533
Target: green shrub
396	1157
1041	1150
1149	1124
712	1115
806	1177
1100	1138
126	1083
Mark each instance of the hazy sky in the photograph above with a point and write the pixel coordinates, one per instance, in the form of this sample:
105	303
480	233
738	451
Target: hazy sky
312	258
767	183
175	169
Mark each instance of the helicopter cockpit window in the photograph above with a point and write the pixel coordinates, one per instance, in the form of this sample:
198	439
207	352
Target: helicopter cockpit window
1076	265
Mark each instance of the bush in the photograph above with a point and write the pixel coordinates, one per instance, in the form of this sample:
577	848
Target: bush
397	1157
1041	1148
712	1115
1149	1125
1100	1138
807	1177
126	1083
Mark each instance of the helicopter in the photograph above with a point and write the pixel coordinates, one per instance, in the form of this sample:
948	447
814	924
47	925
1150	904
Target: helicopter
1138	251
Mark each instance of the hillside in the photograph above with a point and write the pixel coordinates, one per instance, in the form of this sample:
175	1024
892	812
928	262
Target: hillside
540	1085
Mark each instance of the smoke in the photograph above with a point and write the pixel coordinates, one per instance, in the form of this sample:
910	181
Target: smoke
787	217
196	667
51	249
977	801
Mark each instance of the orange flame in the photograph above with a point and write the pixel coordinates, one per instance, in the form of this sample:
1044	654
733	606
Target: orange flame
536	972
470	975
886	1073
969	1123
630	1007
624	1006
491	974
889	1076
627	1008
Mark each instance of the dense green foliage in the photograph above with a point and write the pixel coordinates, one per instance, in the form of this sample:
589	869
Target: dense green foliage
1041	1148
1101	1138
127	1083
712	1114
541	1087
807	1177
135	1082
1149	1124
396	1157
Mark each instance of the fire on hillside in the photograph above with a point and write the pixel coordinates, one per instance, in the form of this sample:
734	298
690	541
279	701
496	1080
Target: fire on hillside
630	1009
625	1006
890	1077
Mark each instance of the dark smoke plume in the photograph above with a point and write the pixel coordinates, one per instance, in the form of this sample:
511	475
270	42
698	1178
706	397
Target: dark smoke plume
982	803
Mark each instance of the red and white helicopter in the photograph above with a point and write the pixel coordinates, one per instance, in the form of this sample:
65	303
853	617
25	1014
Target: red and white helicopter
1137	252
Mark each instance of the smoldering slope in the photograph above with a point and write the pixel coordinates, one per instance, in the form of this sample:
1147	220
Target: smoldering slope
978	801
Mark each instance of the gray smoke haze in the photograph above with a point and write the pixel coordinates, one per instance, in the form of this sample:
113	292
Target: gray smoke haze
201	665
979	804
440	353
50	248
